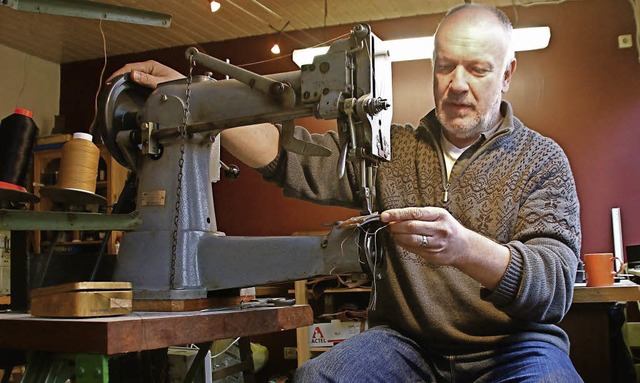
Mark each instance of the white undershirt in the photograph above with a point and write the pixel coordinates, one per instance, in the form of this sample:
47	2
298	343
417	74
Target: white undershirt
452	152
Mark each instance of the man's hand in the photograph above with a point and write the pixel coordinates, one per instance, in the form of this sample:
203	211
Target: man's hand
148	73
434	234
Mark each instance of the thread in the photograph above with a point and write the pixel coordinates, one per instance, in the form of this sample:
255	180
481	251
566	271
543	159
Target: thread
79	164
18	134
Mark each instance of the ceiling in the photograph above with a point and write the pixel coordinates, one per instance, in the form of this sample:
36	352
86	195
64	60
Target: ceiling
63	39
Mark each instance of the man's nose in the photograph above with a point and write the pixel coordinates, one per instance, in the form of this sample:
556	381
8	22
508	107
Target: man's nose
459	80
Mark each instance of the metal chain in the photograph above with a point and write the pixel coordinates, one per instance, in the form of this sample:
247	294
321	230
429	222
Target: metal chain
182	129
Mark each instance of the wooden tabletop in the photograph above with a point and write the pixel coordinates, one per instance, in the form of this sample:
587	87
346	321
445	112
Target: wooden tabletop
622	291
141	331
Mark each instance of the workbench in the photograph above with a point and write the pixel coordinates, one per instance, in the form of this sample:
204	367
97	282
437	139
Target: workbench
593	324
91	341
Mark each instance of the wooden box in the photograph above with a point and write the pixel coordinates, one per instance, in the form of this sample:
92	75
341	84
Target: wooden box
82	299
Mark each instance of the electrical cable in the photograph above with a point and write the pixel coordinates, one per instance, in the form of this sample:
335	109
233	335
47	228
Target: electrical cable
101	80
226	348
289	55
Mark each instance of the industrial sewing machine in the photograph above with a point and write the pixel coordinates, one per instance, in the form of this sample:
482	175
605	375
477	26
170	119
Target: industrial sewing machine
168	137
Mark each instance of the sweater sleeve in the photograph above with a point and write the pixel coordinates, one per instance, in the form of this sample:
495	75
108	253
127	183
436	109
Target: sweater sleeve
314	179
545	248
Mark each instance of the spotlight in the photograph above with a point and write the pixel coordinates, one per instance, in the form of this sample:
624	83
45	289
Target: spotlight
214	5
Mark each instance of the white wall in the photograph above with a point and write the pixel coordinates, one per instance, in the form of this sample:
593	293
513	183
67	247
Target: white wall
41	82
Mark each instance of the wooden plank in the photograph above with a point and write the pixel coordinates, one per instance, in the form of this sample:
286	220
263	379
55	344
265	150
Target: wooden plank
141	331
623	291
302	333
177	305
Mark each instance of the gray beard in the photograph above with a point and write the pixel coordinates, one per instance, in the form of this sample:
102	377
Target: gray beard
468	130
473	128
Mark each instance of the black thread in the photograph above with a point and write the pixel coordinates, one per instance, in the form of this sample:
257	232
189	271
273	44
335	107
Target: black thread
18	134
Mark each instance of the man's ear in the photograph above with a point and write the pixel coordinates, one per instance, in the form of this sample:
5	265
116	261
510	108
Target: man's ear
508	74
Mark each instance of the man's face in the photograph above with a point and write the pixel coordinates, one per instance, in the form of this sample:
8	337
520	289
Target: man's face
470	72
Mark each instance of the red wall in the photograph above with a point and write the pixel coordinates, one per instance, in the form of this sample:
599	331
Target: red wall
582	91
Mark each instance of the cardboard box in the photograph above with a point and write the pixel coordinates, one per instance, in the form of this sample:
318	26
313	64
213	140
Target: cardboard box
329	334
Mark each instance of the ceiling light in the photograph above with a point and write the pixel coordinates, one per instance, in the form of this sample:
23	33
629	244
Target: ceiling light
420	48
214	5
275	49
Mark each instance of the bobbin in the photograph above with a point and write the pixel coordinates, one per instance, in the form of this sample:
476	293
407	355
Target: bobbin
72	193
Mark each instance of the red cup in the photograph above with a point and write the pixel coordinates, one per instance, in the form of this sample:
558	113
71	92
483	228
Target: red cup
600	269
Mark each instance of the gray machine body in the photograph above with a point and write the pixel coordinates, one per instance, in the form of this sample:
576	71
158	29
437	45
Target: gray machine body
178	252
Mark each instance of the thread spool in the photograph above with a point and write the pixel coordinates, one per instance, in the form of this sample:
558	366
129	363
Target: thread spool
18	134
79	164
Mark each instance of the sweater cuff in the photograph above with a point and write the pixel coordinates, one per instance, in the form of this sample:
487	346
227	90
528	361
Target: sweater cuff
269	169
507	290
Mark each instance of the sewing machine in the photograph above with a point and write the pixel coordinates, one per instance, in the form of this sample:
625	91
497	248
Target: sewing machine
169	138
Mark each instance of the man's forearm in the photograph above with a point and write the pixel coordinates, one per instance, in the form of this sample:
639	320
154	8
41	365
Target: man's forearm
254	145
486	262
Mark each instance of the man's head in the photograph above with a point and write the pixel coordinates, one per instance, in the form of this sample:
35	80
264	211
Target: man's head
473	62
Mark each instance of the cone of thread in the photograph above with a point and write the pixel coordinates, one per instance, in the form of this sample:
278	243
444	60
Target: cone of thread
79	164
18	134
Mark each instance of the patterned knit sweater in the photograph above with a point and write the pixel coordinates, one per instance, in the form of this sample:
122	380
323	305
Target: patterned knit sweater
515	187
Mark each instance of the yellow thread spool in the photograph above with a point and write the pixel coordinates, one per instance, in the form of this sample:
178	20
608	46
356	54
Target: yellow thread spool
79	164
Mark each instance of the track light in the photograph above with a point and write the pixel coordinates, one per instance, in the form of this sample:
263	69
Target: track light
275	49
214	5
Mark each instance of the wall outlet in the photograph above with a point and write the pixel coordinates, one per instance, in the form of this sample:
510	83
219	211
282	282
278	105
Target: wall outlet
290	353
625	41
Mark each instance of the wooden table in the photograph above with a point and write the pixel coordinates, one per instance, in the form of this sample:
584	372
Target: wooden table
623	291
141	331
589	324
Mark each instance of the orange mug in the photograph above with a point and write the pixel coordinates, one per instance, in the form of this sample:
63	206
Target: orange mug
600	269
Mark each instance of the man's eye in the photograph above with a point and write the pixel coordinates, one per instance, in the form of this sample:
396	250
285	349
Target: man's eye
444	68
480	70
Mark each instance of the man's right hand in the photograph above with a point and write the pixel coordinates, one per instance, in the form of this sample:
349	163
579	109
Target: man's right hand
148	73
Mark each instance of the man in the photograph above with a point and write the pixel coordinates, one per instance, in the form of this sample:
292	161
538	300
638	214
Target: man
484	231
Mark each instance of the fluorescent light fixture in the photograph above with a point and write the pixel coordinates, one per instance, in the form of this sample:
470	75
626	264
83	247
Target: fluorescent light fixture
530	39
91	10
305	56
420	48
